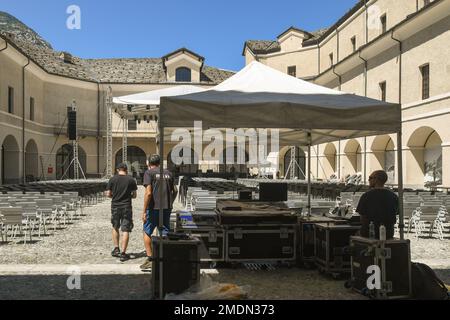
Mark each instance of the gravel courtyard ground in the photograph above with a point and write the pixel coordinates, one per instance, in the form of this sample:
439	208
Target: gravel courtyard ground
87	243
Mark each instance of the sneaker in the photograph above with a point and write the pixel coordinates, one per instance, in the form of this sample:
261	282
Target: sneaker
116	253
124	257
146	265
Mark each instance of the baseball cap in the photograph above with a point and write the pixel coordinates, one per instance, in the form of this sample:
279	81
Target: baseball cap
122	166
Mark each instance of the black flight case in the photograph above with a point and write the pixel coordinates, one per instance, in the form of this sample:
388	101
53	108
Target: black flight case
261	243
392	258
331	247
305	240
181	266
212	242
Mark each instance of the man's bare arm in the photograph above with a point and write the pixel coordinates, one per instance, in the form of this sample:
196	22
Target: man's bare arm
147	197
109	193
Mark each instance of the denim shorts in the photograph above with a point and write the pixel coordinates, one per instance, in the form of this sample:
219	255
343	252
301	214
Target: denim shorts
153	220
122	218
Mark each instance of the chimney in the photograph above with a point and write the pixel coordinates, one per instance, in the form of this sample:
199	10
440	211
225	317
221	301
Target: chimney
9	35
66	57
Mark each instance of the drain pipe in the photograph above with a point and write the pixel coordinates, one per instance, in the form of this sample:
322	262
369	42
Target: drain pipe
367	21
98	127
339	158
1	50
400	66
400	144
365	72
337	46
339	77
23	121
365	94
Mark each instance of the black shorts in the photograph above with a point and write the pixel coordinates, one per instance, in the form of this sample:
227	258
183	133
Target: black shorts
122	218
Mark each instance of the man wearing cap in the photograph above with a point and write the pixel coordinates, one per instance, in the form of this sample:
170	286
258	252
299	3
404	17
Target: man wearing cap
121	188
152	203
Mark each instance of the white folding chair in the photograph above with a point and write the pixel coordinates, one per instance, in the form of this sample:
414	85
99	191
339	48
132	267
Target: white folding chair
45	211
70	205
30	215
1	225
12	217
440	223
427	219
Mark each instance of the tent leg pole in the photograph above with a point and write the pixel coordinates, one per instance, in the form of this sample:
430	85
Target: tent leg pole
365	160
400	183
339	160
309	174
161	211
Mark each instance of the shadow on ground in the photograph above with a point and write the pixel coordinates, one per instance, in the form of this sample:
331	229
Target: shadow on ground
93	287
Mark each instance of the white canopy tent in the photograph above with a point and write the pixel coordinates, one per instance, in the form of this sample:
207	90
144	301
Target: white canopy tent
306	114
261	97
147	103
153	98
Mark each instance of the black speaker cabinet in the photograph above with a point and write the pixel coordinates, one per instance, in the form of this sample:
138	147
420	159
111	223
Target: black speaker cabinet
393	259
180	265
273	192
72	124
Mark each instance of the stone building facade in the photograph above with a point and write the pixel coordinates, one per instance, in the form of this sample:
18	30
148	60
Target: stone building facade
37	84
393	50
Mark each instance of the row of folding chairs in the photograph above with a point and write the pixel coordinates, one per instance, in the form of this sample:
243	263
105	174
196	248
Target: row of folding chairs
27	212
426	218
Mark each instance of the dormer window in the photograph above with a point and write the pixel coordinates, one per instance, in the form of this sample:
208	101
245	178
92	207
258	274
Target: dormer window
183	65
183	74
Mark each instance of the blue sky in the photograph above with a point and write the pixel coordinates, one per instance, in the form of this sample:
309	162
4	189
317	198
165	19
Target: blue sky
214	29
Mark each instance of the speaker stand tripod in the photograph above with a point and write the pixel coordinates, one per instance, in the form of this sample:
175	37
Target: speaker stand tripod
75	163
292	164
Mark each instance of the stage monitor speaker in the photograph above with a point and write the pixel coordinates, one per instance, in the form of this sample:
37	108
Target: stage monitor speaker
273	192
72	124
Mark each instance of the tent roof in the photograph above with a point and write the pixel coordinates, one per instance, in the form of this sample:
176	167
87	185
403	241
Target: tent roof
147	103
153	97
262	97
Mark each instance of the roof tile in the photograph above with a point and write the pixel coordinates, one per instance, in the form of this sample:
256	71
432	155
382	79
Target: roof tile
123	70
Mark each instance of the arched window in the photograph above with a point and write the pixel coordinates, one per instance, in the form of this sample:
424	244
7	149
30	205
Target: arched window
64	165
183	75
298	165
136	161
184	168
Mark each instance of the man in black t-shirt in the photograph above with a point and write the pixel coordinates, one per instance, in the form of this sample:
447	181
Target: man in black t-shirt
121	188
379	205
153	205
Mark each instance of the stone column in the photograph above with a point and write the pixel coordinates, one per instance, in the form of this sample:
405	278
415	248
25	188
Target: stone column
446	164
413	165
